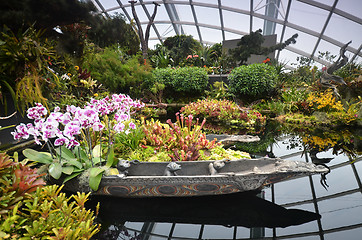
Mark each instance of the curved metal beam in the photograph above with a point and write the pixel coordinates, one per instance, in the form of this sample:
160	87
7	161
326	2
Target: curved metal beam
221	20
172	15
325	38
284	26
252	14
336	10
324	28
96	2
124	10
195	20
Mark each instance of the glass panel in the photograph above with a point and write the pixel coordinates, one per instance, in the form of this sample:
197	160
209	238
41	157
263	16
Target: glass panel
325	46
210	35
165	30
359	168
292	191
238	21
304	42
353	234
358	59
186	230
217	232
341	211
241	4
258	23
289	57
326	2
191	30
206	1
161	13
134	225
260	7
109	4
242	232
162	228
140	13
232	36
350	6
334	181
300	13
184	13
208	15
344	30
306	227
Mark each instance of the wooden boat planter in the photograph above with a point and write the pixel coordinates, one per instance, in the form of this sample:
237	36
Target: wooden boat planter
196	178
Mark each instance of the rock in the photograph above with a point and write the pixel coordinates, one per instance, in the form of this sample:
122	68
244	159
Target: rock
232	139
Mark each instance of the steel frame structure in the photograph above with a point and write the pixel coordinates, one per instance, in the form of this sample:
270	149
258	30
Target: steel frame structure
171	7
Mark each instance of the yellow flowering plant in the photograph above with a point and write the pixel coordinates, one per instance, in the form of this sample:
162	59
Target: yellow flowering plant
324	101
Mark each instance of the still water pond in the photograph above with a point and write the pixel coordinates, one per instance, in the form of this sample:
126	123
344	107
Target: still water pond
332	205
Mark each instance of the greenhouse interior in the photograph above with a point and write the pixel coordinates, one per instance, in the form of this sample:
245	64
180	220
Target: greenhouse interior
181	119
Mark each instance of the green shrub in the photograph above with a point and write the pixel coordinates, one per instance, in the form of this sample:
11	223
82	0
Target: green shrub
190	80
184	82
117	71
254	81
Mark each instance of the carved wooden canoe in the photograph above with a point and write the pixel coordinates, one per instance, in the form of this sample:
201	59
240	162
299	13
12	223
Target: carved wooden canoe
197	178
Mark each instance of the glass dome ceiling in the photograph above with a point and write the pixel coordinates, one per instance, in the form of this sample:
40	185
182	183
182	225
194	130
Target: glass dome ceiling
322	25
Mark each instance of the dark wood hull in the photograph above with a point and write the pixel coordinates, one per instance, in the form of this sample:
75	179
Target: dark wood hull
148	179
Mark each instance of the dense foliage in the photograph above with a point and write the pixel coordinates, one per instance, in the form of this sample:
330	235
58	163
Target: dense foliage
118	71
25	66
182	140
224	111
30	211
255	81
180	46
18	13
184	82
106	32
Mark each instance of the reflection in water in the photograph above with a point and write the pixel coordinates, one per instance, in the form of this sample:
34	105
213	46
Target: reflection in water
329	212
237	209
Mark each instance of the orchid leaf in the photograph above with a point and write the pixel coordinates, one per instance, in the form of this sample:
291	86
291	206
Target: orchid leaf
80	153
55	170
68	170
40	157
95	177
110	158
71	176
65	153
97	152
75	163
97	160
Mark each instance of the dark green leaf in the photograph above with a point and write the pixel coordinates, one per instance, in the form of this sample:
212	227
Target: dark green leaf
68	170
55	170
110	158
95	177
65	153
71	177
40	157
75	163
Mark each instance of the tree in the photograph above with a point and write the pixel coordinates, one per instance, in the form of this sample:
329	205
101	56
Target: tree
106	32
180	46
144	38
251	44
44	14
